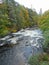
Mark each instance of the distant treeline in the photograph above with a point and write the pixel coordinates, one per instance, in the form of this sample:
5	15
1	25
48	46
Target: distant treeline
14	17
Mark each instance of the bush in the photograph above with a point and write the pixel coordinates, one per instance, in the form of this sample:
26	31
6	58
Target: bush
44	63
46	43
42	59
34	60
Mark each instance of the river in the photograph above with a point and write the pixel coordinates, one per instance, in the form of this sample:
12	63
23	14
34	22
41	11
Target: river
29	42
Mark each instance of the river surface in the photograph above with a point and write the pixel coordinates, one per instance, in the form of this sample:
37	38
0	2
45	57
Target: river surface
29	43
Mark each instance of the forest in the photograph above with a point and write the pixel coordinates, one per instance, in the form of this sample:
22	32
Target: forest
14	17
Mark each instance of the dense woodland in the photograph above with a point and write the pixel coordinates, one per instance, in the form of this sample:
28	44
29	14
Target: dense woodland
14	17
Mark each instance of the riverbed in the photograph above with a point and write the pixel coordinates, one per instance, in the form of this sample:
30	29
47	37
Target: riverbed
27	42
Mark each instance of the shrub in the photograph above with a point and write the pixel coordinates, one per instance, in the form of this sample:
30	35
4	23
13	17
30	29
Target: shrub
42	59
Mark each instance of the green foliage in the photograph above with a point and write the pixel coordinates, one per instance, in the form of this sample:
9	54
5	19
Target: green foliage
44	25
42	59
44	63
44	21
34	60
46	43
13	17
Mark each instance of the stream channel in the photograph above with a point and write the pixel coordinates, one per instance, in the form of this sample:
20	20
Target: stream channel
25	43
